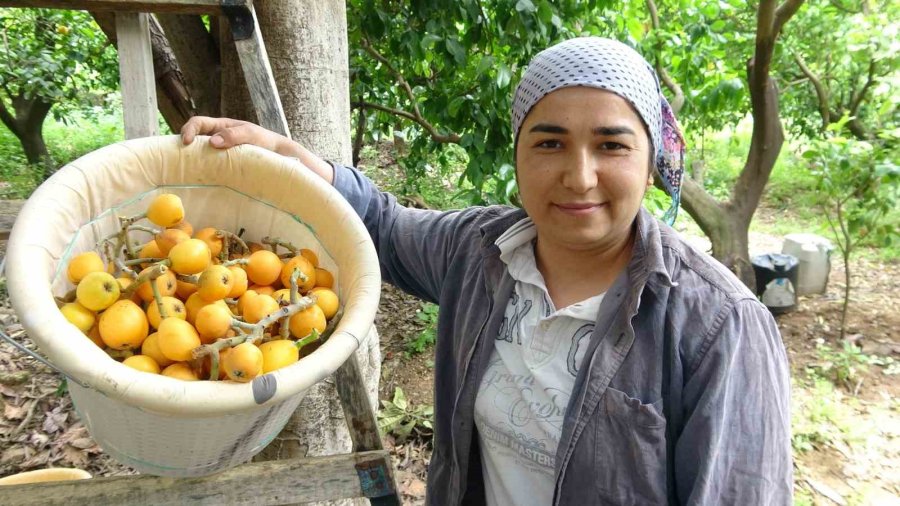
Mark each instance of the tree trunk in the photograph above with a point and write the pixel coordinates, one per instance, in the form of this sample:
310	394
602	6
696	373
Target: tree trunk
311	65
172	93
26	122
728	223
307	46
198	58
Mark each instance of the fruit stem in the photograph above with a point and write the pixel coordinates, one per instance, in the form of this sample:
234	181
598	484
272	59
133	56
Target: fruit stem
163	314
119	354
332	324
285	329
274	242
214	366
127	222
123	240
124	268
65	299
150	274
242	325
236	261
228	236
192	278
295	295
255	329
137	261
311	338
141	228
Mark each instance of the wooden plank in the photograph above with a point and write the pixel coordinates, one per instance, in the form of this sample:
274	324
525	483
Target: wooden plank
171	6
361	422
257	72
357	410
259	483
136	75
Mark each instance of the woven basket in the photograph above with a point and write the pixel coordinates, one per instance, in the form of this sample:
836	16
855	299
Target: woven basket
155	424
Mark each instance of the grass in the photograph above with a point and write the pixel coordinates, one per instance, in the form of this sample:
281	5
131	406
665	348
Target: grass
66	142
428	314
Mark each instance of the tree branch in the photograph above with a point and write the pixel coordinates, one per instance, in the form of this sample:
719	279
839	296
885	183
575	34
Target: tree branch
678	100
857	100
435	135
784	12
416	115
821	92
9	120
400	79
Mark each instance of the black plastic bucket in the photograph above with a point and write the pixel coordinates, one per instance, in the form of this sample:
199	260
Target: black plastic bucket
776	281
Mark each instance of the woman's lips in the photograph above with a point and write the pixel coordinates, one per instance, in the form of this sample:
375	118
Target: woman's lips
578	209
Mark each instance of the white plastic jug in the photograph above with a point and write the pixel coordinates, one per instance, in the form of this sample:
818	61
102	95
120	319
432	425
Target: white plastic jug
814	253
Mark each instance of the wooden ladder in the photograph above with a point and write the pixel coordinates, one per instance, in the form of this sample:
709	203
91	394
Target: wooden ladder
367	471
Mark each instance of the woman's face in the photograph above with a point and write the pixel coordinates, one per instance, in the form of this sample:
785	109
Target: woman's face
582	167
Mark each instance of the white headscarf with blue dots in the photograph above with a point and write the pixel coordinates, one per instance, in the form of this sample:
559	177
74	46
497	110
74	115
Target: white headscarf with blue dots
609	65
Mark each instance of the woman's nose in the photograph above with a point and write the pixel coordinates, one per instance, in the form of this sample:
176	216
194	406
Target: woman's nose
581	174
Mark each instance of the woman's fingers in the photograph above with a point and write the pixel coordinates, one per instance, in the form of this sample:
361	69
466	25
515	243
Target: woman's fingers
204	125
244	133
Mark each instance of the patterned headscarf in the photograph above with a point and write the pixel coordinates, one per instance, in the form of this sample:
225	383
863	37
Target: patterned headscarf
609	65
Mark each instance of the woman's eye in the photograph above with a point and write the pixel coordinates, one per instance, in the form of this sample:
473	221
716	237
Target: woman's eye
612	146
550	144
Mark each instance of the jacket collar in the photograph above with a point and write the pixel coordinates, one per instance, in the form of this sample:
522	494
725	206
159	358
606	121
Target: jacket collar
647	262
647	258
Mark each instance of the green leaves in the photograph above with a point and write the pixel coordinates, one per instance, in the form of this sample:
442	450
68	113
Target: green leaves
397	417
525	6
858	183
60	56
428	314
462	59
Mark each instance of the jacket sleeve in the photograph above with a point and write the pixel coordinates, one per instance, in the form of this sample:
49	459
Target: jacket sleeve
414	246
735	445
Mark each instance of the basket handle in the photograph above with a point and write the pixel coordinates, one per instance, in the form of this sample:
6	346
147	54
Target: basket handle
21	347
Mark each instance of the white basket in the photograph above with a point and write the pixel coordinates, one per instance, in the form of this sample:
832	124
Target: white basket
156	424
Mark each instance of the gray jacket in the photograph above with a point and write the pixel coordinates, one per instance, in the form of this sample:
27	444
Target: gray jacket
684	393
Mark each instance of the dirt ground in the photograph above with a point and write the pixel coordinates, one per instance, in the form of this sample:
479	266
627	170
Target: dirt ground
857	462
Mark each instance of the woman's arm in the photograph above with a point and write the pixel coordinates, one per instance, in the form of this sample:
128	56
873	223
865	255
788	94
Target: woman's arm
414	246
227	132
735	444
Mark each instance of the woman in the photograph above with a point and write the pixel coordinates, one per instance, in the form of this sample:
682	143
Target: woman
585	353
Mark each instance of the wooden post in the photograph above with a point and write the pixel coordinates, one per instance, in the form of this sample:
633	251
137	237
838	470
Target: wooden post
251	51
171	6
136	75
358	412
363	427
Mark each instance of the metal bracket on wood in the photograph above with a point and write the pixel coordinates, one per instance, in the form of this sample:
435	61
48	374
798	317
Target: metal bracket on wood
376	482
240	17
254	60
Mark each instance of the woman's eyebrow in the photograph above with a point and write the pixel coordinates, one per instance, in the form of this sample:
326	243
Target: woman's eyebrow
613	130
604	130
548	128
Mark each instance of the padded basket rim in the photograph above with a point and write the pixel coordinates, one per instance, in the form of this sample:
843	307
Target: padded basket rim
56	201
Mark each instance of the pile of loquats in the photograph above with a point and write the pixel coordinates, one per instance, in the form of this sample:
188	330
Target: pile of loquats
218	308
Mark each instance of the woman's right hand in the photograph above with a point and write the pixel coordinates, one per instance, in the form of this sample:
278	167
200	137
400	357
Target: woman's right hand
226	132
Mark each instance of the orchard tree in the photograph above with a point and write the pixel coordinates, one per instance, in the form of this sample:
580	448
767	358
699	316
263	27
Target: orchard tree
840	58
449	67
442	72
50	61
726	25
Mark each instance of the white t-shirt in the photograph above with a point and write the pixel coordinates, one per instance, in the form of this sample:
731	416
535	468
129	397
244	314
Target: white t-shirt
522	399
